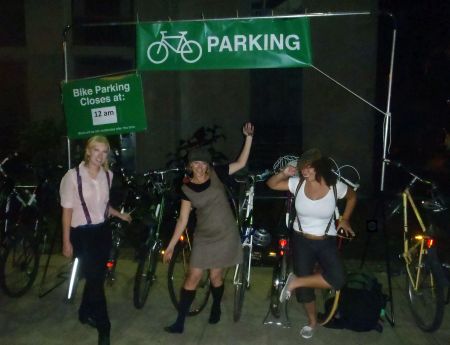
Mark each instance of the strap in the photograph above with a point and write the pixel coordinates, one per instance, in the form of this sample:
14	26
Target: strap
109	188
294	210
80	193
332	216
83	203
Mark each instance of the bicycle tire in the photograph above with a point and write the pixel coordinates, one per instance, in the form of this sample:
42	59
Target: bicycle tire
19	266
327	302
279	276
176	275
156	58
241	285
144	278
428	301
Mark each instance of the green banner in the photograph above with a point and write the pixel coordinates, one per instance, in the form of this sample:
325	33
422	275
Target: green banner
223	44
107	106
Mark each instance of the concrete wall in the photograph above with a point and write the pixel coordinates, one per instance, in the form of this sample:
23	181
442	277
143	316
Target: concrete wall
178	103
333	119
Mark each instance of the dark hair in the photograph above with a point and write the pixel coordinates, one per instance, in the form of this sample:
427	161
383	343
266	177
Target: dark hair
323	168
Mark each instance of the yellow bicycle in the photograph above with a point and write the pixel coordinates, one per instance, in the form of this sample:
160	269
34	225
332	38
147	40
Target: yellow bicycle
427	277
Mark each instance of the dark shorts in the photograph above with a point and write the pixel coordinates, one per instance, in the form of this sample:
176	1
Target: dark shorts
306	253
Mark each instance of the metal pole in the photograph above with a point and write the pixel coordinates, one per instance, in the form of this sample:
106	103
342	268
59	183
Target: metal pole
66	74
387	121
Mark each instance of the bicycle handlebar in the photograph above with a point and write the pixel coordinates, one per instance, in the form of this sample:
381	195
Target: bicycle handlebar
162	171
13	155
355	186
415	177
257	177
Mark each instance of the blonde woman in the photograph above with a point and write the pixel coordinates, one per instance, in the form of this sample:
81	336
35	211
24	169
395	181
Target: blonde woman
84	192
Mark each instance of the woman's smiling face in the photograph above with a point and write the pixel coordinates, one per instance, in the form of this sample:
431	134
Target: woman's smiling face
97	153
199	168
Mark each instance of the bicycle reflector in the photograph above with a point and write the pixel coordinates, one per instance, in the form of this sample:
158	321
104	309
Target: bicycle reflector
282	243
110	264
429	241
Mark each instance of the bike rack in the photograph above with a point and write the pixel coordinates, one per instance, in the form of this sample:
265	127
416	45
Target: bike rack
282	321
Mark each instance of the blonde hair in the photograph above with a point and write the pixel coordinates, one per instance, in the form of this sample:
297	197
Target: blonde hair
96	139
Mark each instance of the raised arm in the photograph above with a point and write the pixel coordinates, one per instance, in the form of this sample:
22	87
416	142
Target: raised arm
280	181
241	162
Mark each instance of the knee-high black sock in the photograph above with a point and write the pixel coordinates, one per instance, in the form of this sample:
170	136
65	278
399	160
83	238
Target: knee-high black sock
217	293
186	299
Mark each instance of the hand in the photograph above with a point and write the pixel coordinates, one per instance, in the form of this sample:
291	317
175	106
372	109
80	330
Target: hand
167	255
67	249
344	225
125	217
289	171
248	129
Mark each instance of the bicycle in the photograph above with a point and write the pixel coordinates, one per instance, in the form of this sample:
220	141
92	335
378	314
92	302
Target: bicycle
118	227
426	276
177	272
190	50
149	252
22	233
242	273
278	312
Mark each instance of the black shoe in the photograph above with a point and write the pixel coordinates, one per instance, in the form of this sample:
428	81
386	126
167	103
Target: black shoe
103	338
87	320
174	329
214	317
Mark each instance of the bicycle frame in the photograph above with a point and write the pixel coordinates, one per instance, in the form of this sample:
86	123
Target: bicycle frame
247	240
407	199
165	40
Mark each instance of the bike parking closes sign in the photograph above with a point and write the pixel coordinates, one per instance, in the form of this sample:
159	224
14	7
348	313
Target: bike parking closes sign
107	106
224	44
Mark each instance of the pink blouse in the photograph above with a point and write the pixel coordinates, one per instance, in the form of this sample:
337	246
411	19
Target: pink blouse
95	193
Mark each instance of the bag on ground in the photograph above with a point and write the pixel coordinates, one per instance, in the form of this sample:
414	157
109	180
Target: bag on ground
361	304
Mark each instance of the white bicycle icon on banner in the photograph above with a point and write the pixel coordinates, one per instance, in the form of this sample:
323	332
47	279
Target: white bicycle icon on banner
190	51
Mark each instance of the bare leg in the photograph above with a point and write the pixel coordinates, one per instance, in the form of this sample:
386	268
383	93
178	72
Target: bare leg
311	313
312	281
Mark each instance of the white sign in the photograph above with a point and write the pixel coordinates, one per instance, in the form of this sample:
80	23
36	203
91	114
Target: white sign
103	116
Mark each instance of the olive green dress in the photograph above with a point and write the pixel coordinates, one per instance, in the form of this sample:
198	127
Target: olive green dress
216	238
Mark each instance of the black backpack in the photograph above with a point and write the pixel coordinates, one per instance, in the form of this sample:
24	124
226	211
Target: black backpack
360	305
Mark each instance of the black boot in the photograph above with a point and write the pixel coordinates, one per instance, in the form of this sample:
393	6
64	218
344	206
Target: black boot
103	336
217	293
186	299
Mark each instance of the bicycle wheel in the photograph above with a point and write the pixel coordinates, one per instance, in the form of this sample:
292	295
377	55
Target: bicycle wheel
279	276
241	285
176	275
145	276
427	300
19	266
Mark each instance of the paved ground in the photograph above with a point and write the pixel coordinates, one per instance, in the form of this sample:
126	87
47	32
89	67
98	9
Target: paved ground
31	320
